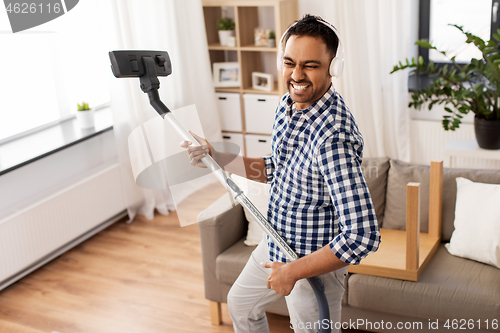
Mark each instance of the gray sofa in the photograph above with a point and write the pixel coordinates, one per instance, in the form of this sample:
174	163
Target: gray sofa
451	293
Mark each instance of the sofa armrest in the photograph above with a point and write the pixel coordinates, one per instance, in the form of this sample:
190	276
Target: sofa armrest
218	232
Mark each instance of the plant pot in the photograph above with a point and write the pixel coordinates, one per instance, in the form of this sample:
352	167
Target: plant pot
271	43
223	36
487	133
85	119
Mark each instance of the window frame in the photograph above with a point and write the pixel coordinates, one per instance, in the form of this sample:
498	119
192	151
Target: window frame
424	25
418	82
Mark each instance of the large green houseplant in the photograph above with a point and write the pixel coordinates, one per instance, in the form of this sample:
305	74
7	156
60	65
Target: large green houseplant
463	88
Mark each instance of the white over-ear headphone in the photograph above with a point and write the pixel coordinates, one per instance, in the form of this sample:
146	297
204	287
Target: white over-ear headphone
337	64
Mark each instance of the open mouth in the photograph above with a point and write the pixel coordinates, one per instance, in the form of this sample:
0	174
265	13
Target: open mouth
299	87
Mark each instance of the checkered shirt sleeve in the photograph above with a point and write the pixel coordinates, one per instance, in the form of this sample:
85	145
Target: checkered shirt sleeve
341	170
269	168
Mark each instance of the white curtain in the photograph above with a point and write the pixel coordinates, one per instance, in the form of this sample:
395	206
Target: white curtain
178	28
376	36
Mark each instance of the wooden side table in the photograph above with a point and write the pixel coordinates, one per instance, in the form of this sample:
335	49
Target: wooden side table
404	255
466	148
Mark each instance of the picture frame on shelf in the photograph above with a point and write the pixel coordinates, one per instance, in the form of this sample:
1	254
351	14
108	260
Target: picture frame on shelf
226	74
262	81
261	36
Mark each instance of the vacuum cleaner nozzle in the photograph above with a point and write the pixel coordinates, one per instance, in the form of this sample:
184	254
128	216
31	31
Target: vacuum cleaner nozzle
147	65
130	63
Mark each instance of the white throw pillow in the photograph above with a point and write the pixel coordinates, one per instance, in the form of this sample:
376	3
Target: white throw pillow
258	194
477	222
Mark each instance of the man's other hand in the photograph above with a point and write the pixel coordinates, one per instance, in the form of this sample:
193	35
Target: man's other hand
280	279
196	153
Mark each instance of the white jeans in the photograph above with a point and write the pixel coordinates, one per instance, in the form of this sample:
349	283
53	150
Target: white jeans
249	297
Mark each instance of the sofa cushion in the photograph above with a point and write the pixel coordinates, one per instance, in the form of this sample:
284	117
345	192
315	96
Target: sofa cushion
449	288
230	263
258	194
400	173
450	192
375	172
477	222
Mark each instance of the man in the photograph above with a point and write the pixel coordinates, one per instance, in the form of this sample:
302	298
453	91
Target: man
319	199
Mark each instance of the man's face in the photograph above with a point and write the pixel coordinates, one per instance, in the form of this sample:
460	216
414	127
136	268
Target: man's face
305	69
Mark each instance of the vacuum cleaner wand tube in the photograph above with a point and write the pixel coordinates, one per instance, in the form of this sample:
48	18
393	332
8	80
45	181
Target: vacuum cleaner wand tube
156	103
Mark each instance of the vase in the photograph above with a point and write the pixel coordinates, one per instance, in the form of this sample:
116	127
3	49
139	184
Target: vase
224	35
487	133
85	118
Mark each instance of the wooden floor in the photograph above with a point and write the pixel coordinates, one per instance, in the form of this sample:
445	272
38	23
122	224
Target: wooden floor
145	276
140	277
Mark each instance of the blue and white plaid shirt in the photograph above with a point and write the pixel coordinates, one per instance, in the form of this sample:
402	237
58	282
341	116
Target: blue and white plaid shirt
318	193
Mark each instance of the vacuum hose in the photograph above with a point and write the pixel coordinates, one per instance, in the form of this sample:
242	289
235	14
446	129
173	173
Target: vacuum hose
324	325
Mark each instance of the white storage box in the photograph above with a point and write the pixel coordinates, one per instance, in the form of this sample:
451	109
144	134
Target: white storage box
229	106
233	138
259	112
258	145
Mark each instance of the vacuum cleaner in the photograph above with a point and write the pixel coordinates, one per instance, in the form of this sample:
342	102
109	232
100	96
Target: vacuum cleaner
147	66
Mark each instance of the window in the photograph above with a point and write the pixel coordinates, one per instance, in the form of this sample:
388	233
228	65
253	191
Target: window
48	69
478	17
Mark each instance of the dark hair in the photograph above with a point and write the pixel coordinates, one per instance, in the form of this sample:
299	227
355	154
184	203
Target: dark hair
310	26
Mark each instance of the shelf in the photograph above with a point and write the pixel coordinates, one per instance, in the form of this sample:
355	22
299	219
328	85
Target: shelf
218	47
256	91
251	48
254	48
247	91
231	90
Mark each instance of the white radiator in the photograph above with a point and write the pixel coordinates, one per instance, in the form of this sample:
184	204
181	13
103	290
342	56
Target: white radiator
428	139
37	233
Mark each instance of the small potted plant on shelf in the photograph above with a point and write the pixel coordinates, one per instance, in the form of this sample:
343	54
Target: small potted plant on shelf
85	116
225	26
462	88
271	41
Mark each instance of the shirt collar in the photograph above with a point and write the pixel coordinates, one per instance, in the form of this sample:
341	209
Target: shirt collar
315	109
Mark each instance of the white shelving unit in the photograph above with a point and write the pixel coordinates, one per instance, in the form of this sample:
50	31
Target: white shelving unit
247	114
